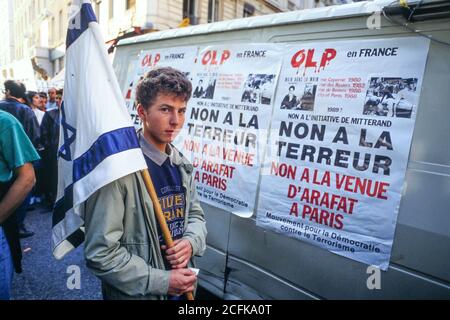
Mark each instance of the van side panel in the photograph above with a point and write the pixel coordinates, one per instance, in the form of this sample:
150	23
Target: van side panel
245	261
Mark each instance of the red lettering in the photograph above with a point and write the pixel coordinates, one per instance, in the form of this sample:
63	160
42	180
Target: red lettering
307	58
294	210
206	57
306	211
323	217
349	184
210	57
197	176
315	197
225	55
157	58
327	56
339	181
147	60
292	191
382	191
338	221
305	175
299	57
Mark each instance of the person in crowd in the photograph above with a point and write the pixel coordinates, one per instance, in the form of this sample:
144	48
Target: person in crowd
51	104
16	180
44	100
34	102
14	94
50	140
59	98
123	244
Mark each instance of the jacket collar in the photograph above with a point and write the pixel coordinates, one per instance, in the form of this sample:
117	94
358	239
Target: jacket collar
14	101
156	155
175	156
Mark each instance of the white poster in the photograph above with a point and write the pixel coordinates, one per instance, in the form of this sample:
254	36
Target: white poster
227	122
339	145
180	58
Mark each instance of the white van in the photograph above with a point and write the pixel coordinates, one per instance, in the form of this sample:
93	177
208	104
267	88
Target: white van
244	261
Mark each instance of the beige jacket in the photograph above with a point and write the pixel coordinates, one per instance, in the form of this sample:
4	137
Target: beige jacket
121	242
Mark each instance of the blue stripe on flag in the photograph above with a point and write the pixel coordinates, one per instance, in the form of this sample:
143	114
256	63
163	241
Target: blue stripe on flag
80	23
106	145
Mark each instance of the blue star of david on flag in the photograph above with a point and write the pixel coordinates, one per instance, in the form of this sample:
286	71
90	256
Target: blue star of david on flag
69	133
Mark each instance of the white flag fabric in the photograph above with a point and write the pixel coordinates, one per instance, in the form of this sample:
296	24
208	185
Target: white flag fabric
98	143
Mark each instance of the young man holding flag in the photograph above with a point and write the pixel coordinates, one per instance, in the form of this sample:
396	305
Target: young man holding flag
102	198
122	244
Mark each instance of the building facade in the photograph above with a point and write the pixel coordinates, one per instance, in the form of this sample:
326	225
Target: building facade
6	45
35	41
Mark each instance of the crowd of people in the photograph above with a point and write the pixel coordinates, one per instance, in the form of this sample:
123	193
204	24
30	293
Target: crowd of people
29	137
38	113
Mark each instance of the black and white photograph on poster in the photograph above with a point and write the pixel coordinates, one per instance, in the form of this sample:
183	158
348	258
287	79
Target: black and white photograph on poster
391	97
199	90
290	99
211	88
303	101
306	101
205	88
259	88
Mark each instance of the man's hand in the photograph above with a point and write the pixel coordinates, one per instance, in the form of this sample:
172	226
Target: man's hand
181	281
179	255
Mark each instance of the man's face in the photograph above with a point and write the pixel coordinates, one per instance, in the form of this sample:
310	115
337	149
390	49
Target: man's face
52	94
58	101
36	100
43	101
163	120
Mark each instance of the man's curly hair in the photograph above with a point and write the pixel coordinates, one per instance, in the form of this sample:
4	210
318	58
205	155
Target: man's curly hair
166	80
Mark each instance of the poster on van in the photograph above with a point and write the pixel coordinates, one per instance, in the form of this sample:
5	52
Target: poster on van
181	58
227	122
339	145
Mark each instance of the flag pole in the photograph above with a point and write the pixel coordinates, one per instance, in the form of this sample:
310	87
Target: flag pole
159	215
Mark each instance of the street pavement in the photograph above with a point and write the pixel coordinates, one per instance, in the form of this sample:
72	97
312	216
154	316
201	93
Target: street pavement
44	277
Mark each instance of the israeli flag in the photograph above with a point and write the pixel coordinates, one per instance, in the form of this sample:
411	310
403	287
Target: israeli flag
98	143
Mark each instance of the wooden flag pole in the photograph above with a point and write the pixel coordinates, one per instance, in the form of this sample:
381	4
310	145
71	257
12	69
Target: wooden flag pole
159	215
